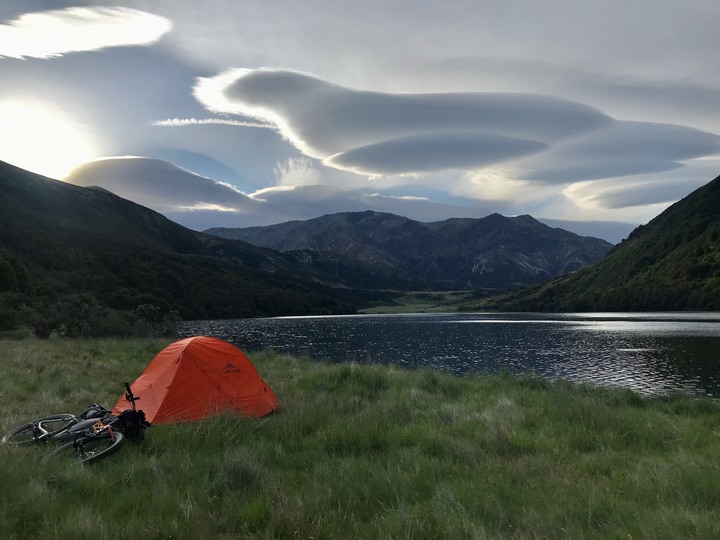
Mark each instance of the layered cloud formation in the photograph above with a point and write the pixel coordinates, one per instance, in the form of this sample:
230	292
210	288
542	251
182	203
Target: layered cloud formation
621	149
47	34
550	140
376	105
167	189
377	133
160	185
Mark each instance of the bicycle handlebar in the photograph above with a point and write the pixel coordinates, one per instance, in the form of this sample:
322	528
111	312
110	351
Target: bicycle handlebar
130	396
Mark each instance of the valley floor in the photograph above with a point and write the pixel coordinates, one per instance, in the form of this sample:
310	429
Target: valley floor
424	302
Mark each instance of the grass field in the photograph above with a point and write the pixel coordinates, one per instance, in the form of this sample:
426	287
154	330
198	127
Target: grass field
424	302
362	452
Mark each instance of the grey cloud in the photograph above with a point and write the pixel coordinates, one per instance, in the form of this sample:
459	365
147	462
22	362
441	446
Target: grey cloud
434	152
201	164
323	119
688	101
672	100
377	133
352	42
332	118
200	203
643	193
623	149
159	185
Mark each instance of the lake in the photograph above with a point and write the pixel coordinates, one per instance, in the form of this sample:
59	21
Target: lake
651	353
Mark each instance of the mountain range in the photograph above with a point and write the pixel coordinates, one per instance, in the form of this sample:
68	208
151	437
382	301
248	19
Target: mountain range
672	263
490	252
83	261
78	258
199	203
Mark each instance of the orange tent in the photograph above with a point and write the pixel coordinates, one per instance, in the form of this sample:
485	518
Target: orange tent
198	377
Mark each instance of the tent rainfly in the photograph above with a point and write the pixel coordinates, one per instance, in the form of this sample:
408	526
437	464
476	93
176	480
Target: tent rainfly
198	377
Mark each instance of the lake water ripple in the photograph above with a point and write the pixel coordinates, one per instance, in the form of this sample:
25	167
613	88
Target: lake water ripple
651	353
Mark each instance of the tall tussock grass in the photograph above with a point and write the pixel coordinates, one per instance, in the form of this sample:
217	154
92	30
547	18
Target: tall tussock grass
362	451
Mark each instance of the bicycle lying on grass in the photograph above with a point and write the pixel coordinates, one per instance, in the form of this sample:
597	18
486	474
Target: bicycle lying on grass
89	437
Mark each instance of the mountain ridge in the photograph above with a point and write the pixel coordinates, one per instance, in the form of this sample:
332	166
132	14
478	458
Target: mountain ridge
81	258
671	263
87	261
494	251
169	189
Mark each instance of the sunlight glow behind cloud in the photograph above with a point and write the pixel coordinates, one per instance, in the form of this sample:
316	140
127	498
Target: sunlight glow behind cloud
473	109
43	139
47	34
296	172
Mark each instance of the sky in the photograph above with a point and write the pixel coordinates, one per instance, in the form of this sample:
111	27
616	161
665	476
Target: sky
251	112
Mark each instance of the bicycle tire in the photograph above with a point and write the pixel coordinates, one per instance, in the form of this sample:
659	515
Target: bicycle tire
39	430
89	449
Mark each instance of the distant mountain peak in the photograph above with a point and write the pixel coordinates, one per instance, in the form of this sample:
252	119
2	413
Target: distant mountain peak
672	263
511	251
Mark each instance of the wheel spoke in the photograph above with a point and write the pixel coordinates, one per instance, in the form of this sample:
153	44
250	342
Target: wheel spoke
88	449
39	430
22	435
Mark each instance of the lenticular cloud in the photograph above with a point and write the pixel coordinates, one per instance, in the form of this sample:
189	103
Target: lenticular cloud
46	34
376	133
622	149
549	140
434	152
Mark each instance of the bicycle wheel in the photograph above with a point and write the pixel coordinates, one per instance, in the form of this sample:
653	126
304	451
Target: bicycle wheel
89	449
40	429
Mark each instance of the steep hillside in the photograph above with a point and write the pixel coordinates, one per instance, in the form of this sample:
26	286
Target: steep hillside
672	263
85	260
494	251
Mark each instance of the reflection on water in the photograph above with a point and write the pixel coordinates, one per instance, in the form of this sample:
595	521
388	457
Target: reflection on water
652	353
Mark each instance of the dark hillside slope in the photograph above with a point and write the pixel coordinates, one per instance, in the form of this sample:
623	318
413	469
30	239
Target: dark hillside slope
494	252
69	255
672	263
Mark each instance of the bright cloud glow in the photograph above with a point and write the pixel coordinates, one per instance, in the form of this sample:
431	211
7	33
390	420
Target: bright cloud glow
501	184
181	122
207	208
211	92
47	34
296	172
40	138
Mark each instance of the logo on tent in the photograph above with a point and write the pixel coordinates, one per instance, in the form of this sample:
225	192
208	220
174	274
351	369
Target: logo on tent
231	368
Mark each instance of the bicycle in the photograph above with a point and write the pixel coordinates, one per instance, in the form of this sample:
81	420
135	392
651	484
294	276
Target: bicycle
90	444
93	436
51	427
